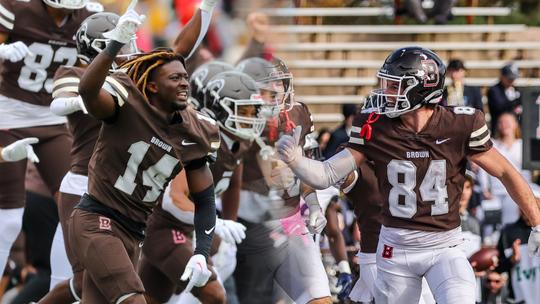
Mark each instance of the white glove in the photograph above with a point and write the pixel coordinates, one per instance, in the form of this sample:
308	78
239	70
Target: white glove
127	25
20	149
208	5
196	272
62	106
533	245
14	52
230	231
317	221
287	146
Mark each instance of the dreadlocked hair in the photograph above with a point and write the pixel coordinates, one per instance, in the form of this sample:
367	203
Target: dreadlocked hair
141	67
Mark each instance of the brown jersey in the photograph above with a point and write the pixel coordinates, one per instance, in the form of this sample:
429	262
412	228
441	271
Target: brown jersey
199	135
83	127
367	201
136	155
31	80
253	178
229	156
421	175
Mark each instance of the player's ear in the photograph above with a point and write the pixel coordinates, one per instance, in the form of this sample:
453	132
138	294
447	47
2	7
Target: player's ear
152	87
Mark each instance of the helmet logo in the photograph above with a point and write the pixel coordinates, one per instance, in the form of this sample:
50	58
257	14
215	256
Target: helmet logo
429	73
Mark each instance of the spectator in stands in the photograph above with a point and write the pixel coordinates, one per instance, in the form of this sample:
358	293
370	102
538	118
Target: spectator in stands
494	288
457	93
341	134
504	97
323	138
469	224
508	142
512	249
441	12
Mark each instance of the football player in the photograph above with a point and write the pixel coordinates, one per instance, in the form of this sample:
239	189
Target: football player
329	200
36	37
277	246
140	113
233	99
84	130
420	150
200	78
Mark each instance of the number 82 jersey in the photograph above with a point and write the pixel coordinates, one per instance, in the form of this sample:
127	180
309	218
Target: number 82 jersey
31	79
421	175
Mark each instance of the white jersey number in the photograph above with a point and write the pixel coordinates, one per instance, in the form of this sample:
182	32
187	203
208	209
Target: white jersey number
154	177
33	75
402	176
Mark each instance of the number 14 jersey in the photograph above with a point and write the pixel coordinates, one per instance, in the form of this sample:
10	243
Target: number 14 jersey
421	175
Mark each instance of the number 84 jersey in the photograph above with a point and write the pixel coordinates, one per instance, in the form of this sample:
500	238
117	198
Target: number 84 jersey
421	175
31	79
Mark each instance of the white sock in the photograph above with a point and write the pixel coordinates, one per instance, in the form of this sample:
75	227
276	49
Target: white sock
60	266
11	224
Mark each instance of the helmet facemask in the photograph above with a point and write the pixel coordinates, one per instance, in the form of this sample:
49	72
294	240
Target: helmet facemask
392	97
244	119
66	4
278	91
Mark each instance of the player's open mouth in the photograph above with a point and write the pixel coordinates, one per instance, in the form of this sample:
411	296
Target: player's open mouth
183	95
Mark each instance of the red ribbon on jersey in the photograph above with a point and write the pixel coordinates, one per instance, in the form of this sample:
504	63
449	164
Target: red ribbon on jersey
366	130
289	124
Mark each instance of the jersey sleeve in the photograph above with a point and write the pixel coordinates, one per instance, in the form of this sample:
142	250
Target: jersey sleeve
117	85
7	16
356	141
479	139
65	81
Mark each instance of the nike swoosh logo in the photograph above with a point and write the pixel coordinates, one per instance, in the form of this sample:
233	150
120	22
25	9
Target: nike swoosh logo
187	143
210	230
440	141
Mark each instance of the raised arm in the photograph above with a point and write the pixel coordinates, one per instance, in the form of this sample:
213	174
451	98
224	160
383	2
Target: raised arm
194	31
98	101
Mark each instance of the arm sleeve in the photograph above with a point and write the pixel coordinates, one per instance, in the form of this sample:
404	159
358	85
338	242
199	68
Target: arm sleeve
321	175
479	139
204	220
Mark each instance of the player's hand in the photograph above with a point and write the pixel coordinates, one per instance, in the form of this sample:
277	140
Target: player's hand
287	146
230	231
14	52
346	282
20	149
516	251
533	246
258	26
317	221
66	105
127	25
208	5
196	272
